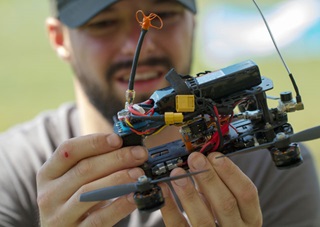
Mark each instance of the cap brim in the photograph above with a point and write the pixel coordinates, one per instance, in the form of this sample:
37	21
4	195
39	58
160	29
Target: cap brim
189	4
77	13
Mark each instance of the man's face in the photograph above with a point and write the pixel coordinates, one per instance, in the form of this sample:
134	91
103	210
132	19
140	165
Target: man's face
102	52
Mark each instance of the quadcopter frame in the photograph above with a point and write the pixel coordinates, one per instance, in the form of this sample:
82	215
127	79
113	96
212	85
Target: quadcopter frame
204	108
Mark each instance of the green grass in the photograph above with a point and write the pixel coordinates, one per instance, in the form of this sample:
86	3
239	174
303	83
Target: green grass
33	79
31	76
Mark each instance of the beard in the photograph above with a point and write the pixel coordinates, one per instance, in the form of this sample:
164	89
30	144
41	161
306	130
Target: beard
103	96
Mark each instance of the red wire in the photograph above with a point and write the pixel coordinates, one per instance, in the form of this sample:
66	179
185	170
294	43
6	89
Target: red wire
215	139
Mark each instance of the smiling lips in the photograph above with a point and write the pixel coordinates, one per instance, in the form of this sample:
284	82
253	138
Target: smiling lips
141	77
148	78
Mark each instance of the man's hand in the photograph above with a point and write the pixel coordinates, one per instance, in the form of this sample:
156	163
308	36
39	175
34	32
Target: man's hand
222	196
83	164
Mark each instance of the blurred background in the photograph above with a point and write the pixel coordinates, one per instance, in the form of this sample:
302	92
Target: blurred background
33	79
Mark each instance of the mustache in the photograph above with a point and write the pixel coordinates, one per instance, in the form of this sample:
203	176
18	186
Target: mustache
153	61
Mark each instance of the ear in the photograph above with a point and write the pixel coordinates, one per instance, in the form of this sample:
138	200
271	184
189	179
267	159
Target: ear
57	37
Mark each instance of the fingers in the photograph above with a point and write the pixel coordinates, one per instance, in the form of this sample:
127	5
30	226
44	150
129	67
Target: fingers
223	193
193	204
171	213
221	199
72	151
122	177
83	164
93	168
89	158
241	187
110	215
230	193
72	211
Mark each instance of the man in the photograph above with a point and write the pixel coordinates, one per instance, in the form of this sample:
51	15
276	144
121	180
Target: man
74	150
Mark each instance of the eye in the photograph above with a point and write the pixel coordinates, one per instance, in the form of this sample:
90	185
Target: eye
170	16
102	24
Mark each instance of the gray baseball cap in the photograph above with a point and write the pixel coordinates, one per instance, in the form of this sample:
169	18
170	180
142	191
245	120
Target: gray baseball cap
75	13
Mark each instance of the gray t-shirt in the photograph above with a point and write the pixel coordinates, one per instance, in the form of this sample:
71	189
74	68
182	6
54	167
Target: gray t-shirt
287	197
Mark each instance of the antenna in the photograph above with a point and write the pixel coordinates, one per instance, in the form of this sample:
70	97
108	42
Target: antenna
298	97
145	24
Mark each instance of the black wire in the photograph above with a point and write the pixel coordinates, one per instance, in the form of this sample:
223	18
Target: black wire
295	88
284	63
135	60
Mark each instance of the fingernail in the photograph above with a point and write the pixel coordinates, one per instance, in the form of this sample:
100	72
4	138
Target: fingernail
135	173
216	158
138	152
113	140
181	182
199	162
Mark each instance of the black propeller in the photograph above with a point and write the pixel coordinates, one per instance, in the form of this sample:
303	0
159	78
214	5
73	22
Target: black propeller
306	135
143	184
108	193
282	141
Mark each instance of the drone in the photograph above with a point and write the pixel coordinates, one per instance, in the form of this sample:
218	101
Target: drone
204	109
